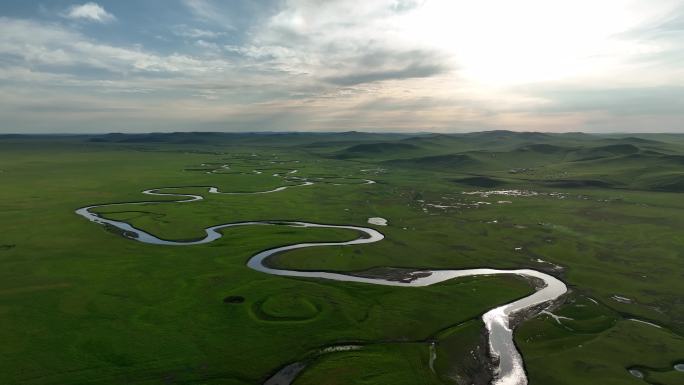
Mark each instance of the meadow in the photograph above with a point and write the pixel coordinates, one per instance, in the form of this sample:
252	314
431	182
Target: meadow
81	304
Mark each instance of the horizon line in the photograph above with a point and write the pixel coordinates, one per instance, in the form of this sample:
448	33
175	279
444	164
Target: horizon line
270	132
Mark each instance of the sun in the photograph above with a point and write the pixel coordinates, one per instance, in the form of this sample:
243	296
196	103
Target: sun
504	42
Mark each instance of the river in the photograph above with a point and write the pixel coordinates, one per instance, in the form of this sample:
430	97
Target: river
509	368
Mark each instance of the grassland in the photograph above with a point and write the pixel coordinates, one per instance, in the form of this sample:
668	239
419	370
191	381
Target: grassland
82	305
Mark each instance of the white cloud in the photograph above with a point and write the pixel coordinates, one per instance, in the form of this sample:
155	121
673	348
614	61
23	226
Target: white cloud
377	64
207	45
207	11
196	33
90	12
48	45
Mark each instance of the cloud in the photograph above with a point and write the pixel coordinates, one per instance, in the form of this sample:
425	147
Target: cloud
207	11
53	47
196	33
341	64
406	5
412	71
374	65
236	16
308	38
89	12
618	101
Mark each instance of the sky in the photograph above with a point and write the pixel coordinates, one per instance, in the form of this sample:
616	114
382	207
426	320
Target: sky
329	65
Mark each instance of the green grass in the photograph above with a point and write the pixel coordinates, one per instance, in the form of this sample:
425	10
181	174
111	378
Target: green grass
82	305
579	356
401	364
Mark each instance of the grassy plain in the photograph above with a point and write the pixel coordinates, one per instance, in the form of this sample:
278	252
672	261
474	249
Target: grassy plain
82	305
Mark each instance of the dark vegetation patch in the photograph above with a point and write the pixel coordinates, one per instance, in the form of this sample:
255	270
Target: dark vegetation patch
329	144
480	181
433	139
381	147
652	153
118	231
469	342
234	299
175	137
578	183
443	162
677	159
618	149
7	247
634	139
504	134
375	149
622	151
675	184
543	148
199	169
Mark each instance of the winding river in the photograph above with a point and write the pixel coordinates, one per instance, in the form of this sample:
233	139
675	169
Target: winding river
509	369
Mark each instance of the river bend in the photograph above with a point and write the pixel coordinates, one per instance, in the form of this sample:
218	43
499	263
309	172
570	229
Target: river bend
509	368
